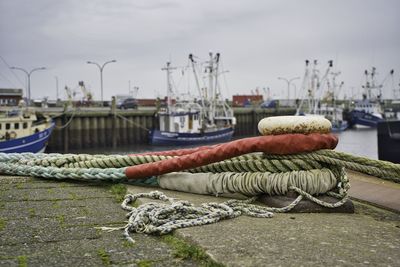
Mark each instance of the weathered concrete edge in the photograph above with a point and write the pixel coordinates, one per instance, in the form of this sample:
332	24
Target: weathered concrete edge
359	206
365	202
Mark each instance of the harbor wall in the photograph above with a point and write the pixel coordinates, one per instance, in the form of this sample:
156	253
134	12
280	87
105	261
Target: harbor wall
84	130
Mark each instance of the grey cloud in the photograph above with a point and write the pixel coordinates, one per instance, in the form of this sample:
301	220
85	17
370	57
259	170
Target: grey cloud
259	40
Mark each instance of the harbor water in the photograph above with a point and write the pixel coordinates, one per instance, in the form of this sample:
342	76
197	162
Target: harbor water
360	142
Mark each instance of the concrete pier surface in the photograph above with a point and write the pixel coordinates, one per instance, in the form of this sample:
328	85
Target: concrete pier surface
52	223
379	192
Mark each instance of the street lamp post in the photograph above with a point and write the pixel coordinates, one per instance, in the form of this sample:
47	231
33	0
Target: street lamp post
28	73
101	75
288	83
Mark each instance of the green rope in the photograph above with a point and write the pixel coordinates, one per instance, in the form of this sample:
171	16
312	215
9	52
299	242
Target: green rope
255	162
111	174
382	169
258	164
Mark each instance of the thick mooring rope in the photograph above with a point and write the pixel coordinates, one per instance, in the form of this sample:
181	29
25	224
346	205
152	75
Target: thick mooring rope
250	174
379	168
315	182
255	162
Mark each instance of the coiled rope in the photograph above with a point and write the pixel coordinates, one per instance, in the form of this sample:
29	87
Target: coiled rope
250	174
254	162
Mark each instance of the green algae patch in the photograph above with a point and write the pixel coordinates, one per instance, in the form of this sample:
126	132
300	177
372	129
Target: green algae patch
104	256
2	224
61	220
22	261
144	263
183	250
118	191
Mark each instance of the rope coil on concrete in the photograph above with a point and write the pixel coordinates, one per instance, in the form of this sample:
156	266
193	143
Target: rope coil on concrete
182	214
162	218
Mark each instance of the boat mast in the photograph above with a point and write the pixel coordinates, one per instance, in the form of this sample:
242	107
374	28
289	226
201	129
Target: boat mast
211	90
304	86
217	93
198	86
372	85
334	91
319	84
314	85
168	69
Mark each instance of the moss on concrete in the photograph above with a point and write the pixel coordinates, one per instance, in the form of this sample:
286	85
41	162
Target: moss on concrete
183	250
22	261
56	204
32	212
73	195
128	244
61	220
104	256
144	263
119	192
2	224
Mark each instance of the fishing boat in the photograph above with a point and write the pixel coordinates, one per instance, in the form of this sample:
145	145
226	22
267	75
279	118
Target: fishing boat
322	93
368	111
335	115
24	131
195	119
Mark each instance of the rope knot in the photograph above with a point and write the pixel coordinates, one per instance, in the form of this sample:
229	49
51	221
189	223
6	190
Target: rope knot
157	195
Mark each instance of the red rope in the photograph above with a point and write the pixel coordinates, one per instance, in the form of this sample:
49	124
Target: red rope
176	152
273	144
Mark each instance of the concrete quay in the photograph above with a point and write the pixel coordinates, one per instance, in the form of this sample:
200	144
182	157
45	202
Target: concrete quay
48	223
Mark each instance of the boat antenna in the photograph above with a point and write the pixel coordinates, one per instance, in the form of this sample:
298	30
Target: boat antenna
168	69
216	88
319	84
211	95
197	84
303	86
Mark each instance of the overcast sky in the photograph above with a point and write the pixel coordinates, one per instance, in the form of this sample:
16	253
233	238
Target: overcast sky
259	41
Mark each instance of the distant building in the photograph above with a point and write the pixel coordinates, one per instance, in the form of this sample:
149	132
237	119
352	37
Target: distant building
145	102
246	100
10	96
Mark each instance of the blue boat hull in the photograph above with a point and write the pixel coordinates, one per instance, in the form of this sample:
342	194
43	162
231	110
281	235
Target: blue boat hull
365	119
32	143
339	127
183	139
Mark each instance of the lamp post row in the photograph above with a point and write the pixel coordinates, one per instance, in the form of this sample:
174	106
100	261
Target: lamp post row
29	73
101	67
